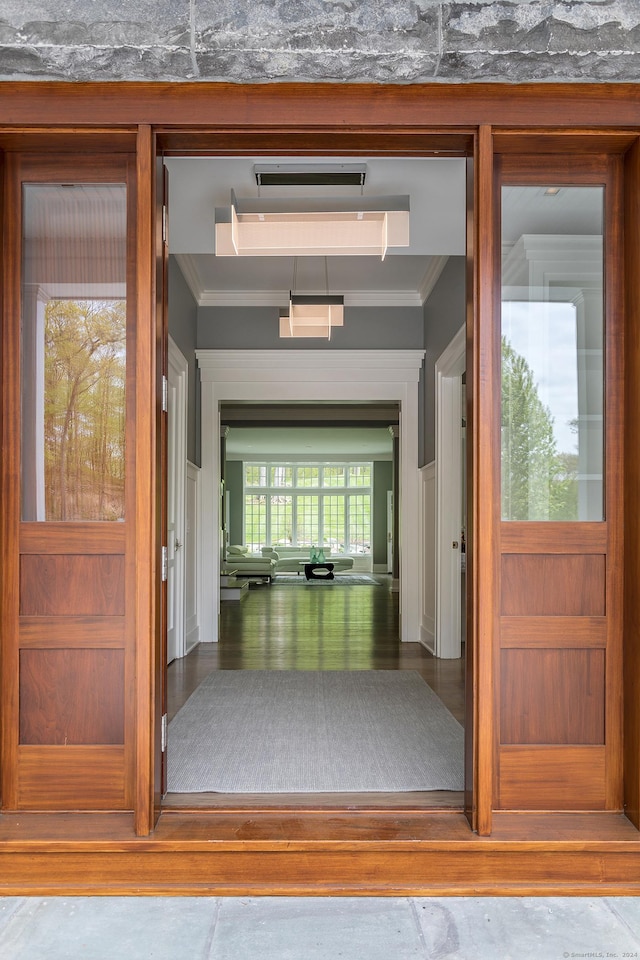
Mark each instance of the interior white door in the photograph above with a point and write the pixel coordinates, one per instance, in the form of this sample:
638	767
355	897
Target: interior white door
172	637
450	518
176	505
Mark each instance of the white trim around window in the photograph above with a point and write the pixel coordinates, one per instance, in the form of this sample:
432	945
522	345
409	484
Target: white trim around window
341	543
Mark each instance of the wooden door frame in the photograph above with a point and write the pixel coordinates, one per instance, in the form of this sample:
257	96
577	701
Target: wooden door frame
301	118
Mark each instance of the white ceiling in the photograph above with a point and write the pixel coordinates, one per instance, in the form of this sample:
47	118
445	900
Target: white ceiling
436	187
572	211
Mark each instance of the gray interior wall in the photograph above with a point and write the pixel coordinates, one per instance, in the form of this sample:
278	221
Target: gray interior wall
183	327
383	41
382	483
372	328
257	328
444	314
235	490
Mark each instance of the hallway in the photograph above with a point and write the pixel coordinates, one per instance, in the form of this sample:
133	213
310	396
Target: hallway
301	627
315	627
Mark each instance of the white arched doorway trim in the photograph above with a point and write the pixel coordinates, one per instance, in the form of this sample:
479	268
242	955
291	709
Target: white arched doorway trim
305	376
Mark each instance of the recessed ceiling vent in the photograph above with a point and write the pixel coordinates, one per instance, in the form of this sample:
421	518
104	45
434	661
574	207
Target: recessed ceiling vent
310	174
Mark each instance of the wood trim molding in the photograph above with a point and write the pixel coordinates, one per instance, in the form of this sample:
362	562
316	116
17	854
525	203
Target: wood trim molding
146	549
325	852
631	653
485	489
435	109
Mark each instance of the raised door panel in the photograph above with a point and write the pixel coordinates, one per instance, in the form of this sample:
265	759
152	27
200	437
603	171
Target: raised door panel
79	585
553	585
564	778
552	696
71	777
51	712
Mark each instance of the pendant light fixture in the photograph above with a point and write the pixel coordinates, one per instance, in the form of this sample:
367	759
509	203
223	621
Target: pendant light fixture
312	316
305	226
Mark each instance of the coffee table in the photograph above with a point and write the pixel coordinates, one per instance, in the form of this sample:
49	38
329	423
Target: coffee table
311	570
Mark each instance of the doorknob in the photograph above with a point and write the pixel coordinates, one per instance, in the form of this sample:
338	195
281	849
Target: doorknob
178	544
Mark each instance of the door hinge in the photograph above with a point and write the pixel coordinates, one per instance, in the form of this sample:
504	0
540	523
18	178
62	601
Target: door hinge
165	564
163	733
165	394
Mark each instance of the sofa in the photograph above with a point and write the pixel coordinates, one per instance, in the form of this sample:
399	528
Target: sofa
249	564
290	559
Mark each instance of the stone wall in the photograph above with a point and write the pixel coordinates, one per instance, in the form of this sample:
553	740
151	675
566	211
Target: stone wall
384	41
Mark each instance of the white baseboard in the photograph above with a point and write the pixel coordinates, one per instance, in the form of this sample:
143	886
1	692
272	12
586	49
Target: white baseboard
427	642
428	635
192	639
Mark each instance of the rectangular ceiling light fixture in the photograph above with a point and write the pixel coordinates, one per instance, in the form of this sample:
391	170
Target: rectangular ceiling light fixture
311	316
326	226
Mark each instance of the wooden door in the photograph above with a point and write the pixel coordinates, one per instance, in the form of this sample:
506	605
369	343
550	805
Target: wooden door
68	482
161	506
558	336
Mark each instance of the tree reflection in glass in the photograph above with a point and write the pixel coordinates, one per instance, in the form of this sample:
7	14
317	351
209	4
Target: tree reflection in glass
73	369
539	482
84	409
552	326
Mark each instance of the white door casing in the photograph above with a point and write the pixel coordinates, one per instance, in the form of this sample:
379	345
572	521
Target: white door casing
450	367
176	503
389	531
192	552
304	376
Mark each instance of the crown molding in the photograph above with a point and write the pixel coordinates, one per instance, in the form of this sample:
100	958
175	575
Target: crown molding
430	277
190	273
280	298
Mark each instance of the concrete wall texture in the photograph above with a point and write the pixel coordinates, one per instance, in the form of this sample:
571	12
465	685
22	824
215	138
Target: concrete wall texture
381	41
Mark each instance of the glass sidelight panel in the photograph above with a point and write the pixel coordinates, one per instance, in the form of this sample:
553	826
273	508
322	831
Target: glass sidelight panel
73	351
552	353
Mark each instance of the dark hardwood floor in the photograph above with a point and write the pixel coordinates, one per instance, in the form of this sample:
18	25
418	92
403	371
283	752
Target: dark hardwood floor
299	627
293	627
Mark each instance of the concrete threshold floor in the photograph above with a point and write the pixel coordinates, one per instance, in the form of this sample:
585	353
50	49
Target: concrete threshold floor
312	928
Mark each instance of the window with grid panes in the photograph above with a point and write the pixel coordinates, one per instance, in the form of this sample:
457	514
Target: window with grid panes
319	508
